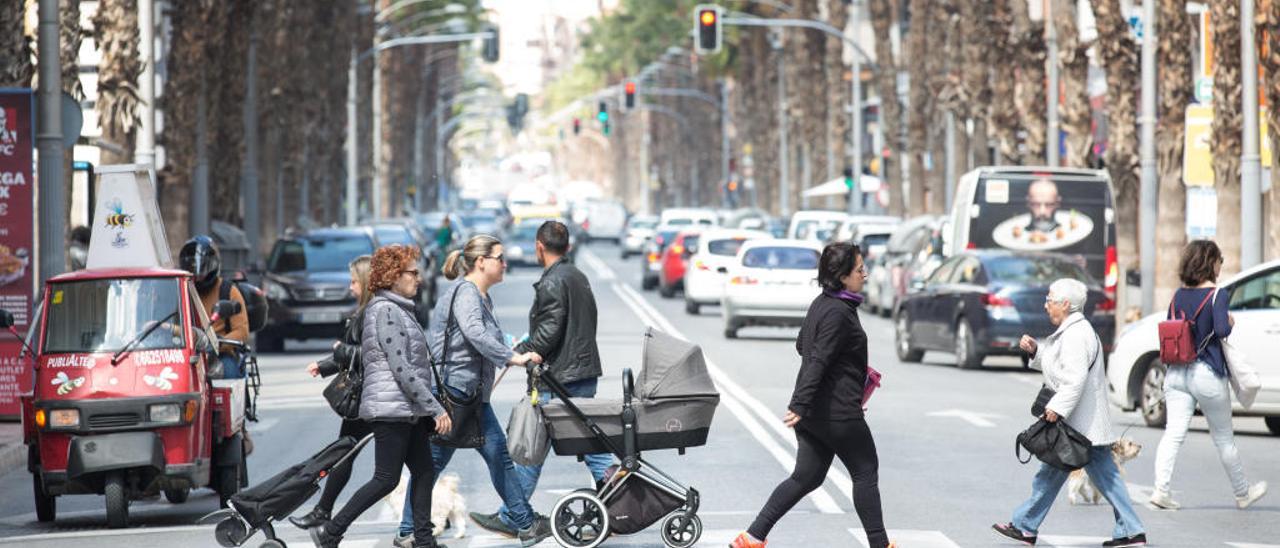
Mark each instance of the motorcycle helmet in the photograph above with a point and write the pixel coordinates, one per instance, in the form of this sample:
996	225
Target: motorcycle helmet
199	256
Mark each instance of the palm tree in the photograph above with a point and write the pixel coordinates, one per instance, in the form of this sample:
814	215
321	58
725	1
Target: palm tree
882	20
1175	61
69	37
16	68
1003	113
1073	56
1225	140
1270	18
918	99
115	31
1120	59
1027	43
976	21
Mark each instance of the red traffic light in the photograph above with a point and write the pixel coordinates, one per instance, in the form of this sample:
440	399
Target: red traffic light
631	87
630	95
707	17
577	126
707	21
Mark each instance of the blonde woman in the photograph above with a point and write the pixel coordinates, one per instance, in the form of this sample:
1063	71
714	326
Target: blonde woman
346	353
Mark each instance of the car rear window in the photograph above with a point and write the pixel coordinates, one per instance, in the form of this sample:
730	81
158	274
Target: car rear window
680	222
728	248
643	223
781	257
388	235
1033	270
318	254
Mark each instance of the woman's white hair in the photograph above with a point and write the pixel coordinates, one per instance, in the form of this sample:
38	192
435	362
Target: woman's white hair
1073	292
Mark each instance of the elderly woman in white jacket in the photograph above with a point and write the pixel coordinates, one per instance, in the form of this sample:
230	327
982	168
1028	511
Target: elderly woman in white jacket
1072	362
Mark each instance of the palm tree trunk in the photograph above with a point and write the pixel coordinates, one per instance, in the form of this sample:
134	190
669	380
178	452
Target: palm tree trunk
882	19
1270	17
115	31
1225	141
16	68
918	99
1175	61
1028	44
976	68
1077	117
1003	117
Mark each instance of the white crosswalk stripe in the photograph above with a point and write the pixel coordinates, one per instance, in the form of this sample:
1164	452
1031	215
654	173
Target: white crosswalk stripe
907	537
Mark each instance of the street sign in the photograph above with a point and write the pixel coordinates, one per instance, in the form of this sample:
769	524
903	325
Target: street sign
1204	90
17	239
1197	156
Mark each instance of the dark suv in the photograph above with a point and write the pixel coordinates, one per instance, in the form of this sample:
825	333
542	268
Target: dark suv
307	281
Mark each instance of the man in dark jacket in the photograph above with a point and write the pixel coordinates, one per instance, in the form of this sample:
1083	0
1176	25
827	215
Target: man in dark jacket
562	326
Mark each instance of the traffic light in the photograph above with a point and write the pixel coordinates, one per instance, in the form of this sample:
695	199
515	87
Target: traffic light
605	129
706	18
490	51
848	178
577	126
630	91
603	114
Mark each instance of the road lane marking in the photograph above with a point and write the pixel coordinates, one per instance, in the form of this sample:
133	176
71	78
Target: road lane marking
971	417
1067	541
820	497
912	538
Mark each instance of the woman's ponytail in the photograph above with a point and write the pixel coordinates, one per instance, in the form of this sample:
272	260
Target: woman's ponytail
462	261
453	267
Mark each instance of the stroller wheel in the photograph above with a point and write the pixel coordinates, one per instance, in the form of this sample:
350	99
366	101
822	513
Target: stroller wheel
580	520
231	532
272	543
679	531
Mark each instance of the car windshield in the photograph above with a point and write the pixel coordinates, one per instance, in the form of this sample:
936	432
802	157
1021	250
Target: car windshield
643	223
525	231
104	315
332	254
388	235
815	229
780	257
680	222
728	248
1033	270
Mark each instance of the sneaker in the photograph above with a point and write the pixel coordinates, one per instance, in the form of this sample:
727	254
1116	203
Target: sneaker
403	541
1163	500
745	540
538	532
311	519
493	524
1255	492
1139	539
1008	530
322	539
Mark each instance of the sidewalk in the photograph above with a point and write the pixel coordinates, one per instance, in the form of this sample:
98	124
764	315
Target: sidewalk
13	454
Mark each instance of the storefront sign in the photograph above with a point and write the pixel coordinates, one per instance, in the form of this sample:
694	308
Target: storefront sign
17	241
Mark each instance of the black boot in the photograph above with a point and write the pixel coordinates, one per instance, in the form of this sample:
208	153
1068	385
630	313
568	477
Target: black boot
311	519
322	538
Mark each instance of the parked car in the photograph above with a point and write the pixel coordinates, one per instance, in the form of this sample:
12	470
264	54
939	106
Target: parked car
681	216
651	259
519	247
406	232
306	284
980	303
675	262
709	266
771	282
911	253
848	230
638	231
815	224
603	220
1136	375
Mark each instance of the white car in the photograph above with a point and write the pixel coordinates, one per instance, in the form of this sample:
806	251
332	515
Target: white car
603	219
815	224
709	266
689	216
1136	375
639	230
771	282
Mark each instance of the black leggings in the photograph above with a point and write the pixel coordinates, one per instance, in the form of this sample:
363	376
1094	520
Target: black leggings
396	444
819	442
340	475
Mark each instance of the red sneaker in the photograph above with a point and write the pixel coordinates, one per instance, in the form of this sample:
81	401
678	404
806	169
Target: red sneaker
744	540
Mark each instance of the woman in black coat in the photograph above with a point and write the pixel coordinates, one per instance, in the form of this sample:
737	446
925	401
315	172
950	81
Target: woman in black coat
346	353
826	406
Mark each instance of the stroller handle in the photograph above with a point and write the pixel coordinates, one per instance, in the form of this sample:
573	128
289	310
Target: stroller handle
628	385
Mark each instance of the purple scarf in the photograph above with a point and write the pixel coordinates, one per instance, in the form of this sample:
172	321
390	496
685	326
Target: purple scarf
845	295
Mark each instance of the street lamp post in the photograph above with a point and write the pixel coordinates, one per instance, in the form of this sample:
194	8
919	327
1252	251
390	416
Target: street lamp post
855	114
1149	188
1250	160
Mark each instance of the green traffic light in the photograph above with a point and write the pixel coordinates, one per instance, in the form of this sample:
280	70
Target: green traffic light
603	116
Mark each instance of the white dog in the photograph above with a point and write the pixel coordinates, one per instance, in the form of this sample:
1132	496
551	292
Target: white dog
448	506
1080	488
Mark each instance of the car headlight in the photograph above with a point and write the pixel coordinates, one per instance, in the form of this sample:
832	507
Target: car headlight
275	291
64	418
164	413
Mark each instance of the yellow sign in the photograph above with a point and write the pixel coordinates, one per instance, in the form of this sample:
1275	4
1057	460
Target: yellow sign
1197	157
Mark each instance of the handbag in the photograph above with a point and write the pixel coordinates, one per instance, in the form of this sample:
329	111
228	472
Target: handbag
869	387
1054	443
464	411
527	439
1244	378
344	391
1177	346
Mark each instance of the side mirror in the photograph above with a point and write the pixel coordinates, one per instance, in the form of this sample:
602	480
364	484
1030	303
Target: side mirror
226	309
6	319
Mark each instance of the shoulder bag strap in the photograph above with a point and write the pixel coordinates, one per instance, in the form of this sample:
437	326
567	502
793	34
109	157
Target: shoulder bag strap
444	348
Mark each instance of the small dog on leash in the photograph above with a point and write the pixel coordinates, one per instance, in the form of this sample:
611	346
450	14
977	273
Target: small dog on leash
1080	487
448	506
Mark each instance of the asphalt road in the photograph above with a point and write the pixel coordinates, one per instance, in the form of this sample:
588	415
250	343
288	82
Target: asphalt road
944	436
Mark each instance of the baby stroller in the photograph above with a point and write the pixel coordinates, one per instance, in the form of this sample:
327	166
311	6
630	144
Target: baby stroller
676	400
254	509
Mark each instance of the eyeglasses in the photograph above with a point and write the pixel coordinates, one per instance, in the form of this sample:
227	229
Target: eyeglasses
499	257
413	271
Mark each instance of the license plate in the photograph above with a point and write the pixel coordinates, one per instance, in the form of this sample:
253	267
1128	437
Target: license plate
320	317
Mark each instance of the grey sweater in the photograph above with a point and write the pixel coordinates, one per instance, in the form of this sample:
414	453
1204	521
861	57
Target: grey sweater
397	368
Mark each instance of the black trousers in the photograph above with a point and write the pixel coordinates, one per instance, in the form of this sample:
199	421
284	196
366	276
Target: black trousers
819	443
396	444
340	475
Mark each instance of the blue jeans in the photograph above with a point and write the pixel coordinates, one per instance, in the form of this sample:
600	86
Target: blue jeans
598	464
1102	470
501	473
230	366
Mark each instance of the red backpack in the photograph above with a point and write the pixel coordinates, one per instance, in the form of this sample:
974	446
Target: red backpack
1177	347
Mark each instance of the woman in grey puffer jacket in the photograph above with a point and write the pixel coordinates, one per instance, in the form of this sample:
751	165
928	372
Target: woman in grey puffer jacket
397	400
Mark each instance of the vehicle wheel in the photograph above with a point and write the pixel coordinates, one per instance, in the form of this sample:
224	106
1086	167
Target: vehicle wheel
272	543
681	532
269	344
117	501
967	355
625	255
228	484
647	283
667	291
902	338
691	307
579	520
178	495
885	312
46	504
730	328
1151	394
1273	424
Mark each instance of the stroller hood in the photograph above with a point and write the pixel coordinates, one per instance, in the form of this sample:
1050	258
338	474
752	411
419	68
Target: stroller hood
672	368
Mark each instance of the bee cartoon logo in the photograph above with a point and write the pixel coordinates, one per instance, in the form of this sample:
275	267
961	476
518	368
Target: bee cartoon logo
66	384
118	218
164	380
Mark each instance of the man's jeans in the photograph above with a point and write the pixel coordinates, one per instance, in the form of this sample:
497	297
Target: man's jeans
597	463
1184	387
501	473
230	367
1102	470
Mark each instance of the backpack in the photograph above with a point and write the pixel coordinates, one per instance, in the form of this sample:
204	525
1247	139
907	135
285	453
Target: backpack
1177	346
254	300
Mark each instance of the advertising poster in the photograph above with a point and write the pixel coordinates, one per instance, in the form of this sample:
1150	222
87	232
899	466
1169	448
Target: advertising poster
17	239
